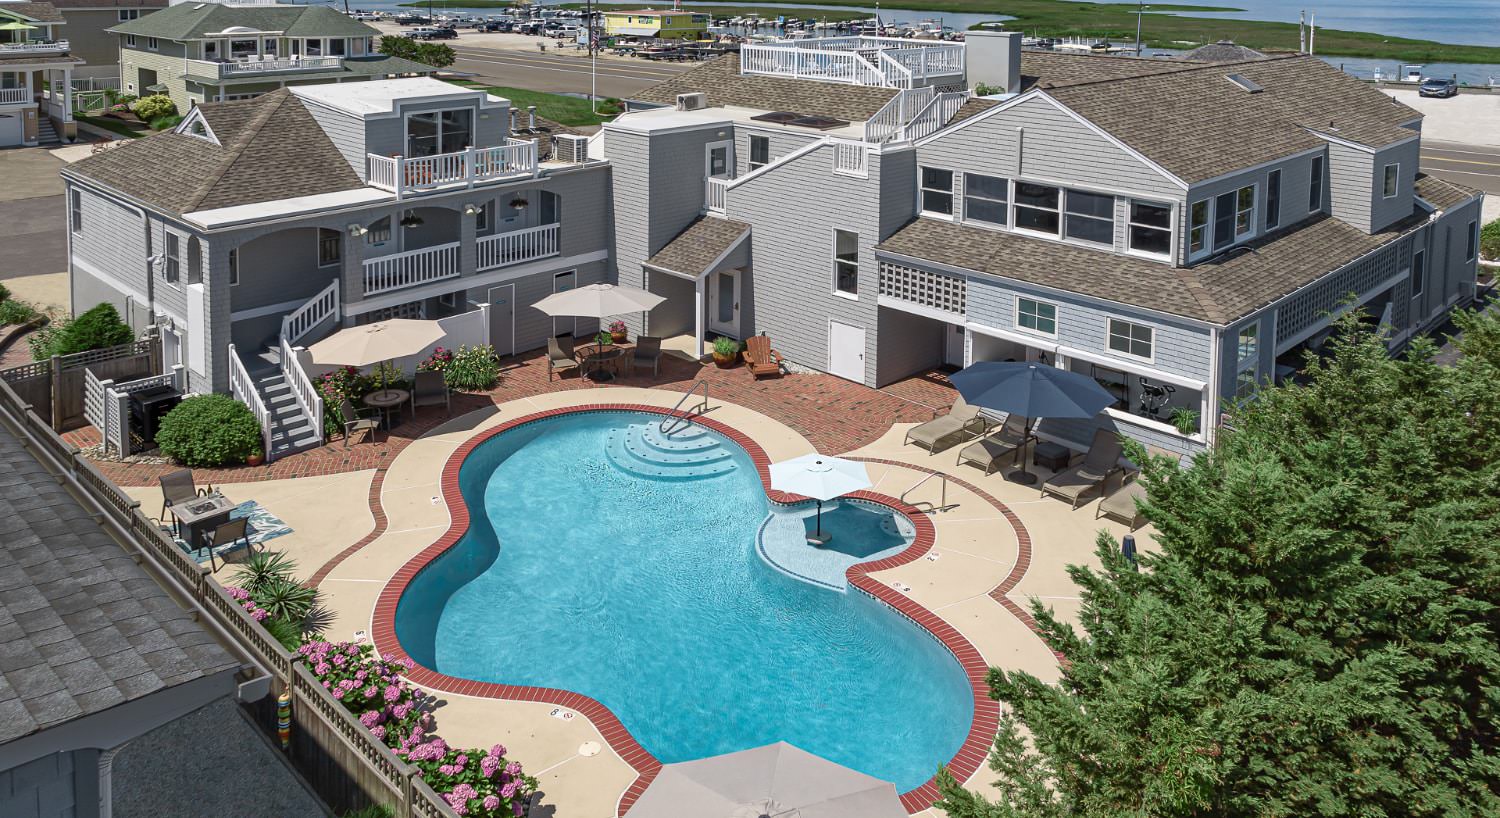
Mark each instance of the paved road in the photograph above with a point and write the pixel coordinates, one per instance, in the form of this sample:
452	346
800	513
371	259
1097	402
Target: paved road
31	210
559	73
1472	165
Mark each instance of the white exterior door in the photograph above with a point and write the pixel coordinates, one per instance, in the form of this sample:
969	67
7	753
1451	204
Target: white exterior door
953	352
503	319
718	160
724	303
10	129
846	351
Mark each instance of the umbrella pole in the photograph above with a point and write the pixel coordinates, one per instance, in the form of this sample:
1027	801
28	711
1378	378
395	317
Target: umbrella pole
820	538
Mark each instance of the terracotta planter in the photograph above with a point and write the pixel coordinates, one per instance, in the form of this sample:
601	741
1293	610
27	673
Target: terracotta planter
618	337
255	459
726	361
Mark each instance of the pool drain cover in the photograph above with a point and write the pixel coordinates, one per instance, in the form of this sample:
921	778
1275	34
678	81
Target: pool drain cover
588	749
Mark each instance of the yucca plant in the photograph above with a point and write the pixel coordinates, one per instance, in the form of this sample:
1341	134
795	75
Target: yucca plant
262	568
287	599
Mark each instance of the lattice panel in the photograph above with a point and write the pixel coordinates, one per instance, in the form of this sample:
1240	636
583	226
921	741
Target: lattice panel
938	291
1308	307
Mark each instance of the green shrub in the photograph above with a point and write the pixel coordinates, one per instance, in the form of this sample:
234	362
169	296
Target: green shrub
725	347
4	293
209	430
1489	241
98	328
15	312
156	105
472	368
163	123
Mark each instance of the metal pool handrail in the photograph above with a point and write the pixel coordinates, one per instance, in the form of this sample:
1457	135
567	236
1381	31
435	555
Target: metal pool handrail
685	417
942	498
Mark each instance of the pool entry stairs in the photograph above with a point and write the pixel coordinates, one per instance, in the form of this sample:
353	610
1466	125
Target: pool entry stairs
684	452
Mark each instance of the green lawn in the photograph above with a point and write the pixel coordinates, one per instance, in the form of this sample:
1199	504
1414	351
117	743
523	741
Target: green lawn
111	125
556	107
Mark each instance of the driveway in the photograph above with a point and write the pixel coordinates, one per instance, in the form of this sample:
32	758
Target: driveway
33	222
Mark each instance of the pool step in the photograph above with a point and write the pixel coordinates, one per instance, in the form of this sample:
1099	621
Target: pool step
642	450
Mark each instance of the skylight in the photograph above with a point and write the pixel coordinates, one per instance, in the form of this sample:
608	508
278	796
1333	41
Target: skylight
1245	83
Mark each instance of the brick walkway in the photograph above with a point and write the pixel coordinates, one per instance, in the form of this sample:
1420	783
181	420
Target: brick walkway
834	414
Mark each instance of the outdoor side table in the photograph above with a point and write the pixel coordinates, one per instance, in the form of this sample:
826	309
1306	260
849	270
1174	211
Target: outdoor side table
385	400
1051	455
200	516
600	361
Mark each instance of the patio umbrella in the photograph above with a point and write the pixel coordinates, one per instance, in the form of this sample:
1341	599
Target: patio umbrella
598	301
1031	390
821	478
375	343
776	780
16	25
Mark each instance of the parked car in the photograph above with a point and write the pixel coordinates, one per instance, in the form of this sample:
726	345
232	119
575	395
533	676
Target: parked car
497	26
1438	87
441	33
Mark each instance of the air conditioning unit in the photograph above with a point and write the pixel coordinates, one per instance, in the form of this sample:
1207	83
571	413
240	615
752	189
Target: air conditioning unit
692	102
569	147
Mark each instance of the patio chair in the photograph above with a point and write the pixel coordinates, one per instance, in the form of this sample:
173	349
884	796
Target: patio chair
1121	505
1102	460
764	362
176	487
647	352
560	356
429	389
986	453
961	422
227	533
354	423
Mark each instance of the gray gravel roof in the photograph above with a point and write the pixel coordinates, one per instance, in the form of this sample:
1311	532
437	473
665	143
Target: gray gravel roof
82	627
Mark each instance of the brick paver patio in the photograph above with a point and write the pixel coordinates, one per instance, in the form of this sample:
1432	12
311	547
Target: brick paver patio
834	414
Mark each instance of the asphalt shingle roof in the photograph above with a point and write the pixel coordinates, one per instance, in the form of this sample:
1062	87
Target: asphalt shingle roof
1222	51
82	627
699	245
722	81
181	173
41	12
99	4
187	21
1442	193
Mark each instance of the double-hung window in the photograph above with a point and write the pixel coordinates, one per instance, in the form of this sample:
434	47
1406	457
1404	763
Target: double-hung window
937	191
1234	216
128	14
1392	181
1150	228
1244	211
1037	208
1249	343
1037	316
485	217
985	199
1131	339
1198	227
1315	186
760	151
1090	217
75	202
328	247
336	46
130	40
151	43
846	262
1273	199
172	263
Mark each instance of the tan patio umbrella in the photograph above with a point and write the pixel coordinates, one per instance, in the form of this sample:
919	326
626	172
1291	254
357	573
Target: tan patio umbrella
376	343
776	780
16	25
599	301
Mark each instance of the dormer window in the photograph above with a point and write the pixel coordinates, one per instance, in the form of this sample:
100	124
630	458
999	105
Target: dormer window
1392	181
436	132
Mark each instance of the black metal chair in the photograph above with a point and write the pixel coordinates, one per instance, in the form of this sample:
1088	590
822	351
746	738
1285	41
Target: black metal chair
354	423
227	533
177	487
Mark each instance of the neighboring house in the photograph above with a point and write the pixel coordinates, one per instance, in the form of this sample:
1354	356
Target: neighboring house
1179	232
36	75
332	203
1222	51
666	25
89	22
217	51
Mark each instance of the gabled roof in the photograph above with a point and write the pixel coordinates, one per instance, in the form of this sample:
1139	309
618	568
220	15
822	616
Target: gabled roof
40	12
722	81
1222	51
699	245
180	173
188	21
83	628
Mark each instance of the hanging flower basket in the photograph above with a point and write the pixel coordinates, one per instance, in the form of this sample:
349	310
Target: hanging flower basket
518	203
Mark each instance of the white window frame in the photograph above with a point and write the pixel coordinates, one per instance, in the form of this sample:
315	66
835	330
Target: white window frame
126	15
1015	205
406	126
1250	230
1016	316
1207	228
1062	226
708	159
1109	333
75	207
1239	345
318	248
923	190
750	162
839	263
234	266
130	40
1390	176
1471	247
1171	228
151	44
1005	202
171	264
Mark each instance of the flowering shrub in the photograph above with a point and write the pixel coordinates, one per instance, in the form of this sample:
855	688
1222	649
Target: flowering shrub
336	385
474	782
372	689
437	361
242	596
472	368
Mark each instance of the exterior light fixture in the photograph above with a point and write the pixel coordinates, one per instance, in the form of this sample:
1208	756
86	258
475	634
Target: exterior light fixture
357	230
470	209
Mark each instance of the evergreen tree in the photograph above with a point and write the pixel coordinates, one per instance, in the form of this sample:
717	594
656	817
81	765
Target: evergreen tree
1318	635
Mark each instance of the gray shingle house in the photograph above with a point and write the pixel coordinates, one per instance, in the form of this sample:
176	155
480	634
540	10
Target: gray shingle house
1179	231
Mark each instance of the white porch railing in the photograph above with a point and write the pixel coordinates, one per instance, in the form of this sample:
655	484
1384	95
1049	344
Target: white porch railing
308	398
261	65
809	63
411	268
55	47
242	387
517	246
13	96
850	158
935	115
402	175
714	191
300	321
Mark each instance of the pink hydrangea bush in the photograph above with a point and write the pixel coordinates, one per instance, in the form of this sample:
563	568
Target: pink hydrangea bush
242	596
372	689
437	361
479	783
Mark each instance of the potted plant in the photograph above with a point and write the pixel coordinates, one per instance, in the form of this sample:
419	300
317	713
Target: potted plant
604	339
1185	420
726	352
255	458
617	332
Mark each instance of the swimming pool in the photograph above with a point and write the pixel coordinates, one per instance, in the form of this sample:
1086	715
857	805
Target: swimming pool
628	573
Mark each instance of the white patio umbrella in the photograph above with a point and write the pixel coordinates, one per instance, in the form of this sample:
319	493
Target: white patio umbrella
375	343
775	780
820	477
598	301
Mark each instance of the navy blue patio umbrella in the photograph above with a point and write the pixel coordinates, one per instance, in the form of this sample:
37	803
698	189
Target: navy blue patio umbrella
1031	390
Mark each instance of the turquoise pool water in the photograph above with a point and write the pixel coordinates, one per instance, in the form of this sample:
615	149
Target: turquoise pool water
607	559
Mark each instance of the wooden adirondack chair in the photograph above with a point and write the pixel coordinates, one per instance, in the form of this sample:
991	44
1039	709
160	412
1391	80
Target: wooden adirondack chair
763	361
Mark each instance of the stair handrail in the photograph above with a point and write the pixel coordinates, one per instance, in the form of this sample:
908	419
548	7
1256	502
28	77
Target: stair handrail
308	398
242	387
685	417
942	497
316	310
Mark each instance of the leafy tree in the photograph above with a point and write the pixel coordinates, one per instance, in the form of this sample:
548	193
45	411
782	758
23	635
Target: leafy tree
1318	635
437	55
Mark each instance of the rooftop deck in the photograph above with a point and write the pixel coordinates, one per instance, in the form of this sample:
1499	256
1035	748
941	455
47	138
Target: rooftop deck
882	62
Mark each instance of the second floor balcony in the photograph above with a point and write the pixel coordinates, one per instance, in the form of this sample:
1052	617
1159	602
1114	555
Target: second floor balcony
412	268
257	64
38	47
15	96
403	175
883	62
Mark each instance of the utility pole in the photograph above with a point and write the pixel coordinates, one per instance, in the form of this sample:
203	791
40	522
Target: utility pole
1302	33
1140	11
1312	33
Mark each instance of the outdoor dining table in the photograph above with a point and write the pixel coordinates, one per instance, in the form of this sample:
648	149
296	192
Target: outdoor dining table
595	358
385	400
200	516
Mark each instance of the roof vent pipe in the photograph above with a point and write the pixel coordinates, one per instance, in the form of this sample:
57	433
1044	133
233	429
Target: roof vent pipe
531	117
993	59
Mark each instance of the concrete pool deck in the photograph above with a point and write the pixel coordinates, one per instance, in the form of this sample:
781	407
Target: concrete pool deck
998	545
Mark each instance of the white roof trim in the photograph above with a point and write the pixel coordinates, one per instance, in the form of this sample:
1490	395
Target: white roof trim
1359	146
296	206
195	116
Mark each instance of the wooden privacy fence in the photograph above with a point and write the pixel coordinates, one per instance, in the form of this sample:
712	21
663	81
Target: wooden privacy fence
342	759
55	388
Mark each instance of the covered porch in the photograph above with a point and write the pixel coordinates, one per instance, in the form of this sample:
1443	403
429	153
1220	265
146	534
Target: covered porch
704	274
36	96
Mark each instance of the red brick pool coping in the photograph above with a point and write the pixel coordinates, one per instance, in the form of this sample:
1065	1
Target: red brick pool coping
965	762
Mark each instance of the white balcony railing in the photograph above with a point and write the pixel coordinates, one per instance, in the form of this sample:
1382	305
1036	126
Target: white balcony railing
54	47
12	96
261	65
714	192
403	175
517	246
850	158
874	61
411	268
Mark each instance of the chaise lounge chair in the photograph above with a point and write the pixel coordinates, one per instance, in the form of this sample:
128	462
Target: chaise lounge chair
986	453
560	356
763	361
1102	460
962	422
1121	505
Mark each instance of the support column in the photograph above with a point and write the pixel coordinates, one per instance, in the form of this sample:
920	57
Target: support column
698	284
106	780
